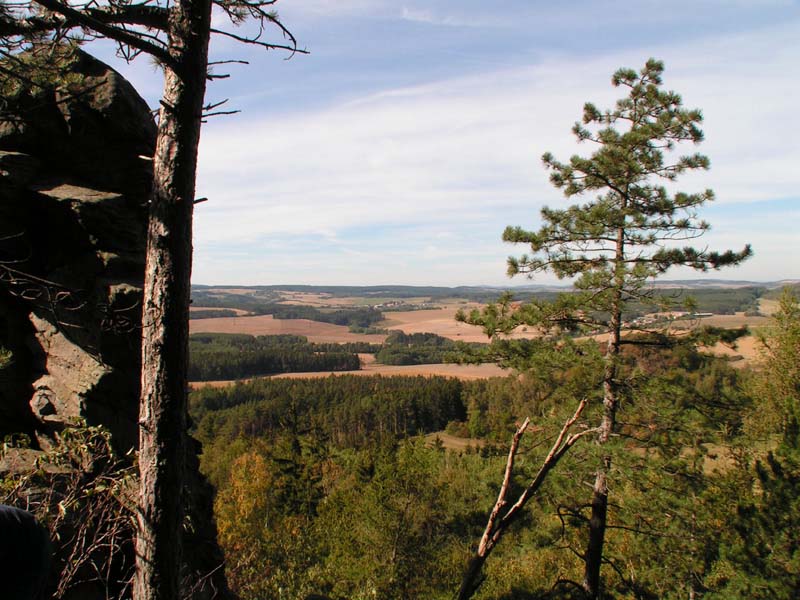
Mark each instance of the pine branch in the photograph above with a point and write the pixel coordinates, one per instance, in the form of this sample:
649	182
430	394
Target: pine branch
77	18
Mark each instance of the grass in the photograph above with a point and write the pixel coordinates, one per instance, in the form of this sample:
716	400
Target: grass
452	442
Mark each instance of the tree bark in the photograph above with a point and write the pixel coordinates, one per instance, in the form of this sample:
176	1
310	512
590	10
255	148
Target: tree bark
593	558
163	405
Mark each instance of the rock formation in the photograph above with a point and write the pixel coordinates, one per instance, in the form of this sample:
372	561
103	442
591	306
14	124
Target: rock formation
73	192
74	183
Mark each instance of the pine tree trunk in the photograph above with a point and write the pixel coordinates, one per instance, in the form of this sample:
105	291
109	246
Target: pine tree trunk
163	407
593	558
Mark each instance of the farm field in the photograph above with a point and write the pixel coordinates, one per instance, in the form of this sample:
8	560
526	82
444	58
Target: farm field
440	321
370	367
238	311
748	348
323	300
451	442
466	372
734	321
266	325
768	306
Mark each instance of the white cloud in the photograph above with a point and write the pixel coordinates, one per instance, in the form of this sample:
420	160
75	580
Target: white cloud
430	17
467	151
334	8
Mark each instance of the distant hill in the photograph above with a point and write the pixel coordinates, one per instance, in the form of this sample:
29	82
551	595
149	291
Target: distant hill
362	307
465	291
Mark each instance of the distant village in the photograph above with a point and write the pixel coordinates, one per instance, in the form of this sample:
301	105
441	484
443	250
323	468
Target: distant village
661	317
394	305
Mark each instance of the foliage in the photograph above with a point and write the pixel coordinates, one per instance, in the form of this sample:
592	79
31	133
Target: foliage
778	383
415	349
613	247
263	525
350	410
212	313
363	317
84	495
628	235
6	357
339	480
761	557
226	356
388	534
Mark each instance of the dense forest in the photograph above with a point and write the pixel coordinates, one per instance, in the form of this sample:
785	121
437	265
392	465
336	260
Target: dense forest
415	349
212	313
219	356
706	465
266	302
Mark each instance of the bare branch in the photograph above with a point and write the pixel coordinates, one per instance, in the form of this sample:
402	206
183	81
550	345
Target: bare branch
497	525
254	41
110	31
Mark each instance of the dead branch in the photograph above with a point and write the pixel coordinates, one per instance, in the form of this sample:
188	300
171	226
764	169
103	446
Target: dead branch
255	41
498	524
113	32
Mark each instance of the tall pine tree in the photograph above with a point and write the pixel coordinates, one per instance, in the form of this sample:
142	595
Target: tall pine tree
632	231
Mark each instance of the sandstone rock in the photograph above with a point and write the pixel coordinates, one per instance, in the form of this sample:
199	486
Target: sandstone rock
91	124
73	196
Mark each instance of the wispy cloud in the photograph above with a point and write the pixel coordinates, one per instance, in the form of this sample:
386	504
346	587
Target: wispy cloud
462	155
432	17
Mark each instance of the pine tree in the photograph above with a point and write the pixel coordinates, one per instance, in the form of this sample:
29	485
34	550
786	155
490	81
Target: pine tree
760	548
615	245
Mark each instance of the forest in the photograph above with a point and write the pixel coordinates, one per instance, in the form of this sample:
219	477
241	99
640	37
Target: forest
705	468
220	356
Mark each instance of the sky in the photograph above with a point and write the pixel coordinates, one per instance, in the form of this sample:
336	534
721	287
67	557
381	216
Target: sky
398	150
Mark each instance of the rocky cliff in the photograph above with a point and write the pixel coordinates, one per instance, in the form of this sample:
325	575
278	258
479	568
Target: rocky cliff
74	183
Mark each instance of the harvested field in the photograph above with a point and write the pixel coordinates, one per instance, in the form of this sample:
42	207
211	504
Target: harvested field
458	371
747	351
439	321
266	325
452	442
308	299
324	300
767	306
748	348
442	322
733	321
238	311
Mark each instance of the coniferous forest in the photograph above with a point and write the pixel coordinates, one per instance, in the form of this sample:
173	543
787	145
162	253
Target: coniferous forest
340	486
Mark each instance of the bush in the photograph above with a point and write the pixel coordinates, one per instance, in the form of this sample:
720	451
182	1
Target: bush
81	492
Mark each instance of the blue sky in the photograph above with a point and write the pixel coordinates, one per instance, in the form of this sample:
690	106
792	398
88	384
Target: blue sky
399	149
